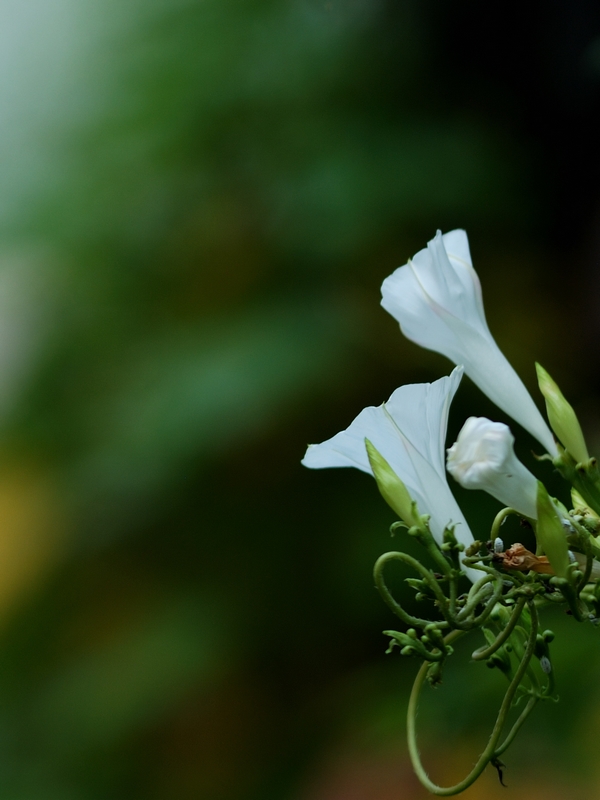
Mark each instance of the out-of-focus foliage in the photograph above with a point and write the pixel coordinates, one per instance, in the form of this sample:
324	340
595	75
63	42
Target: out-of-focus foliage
198	202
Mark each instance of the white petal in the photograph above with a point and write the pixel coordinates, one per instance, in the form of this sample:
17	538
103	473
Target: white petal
409	431
441	283
347	449
436	298
490	370
423	409
456	243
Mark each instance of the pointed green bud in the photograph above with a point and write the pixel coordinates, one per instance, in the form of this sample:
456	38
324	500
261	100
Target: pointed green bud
550	533
563	419
393	491
577	499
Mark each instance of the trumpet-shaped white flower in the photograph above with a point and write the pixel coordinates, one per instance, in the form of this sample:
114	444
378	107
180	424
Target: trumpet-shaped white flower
409	431
437	300
483	458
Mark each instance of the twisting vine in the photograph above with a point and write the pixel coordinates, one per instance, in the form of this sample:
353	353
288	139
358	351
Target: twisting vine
505	605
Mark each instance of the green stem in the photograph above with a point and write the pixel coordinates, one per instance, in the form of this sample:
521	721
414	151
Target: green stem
589	563
518	648
393	604
549	690
474	597
477	563
485	652
478	621
516	727
570	595
499	519
491	748
453	592
436	554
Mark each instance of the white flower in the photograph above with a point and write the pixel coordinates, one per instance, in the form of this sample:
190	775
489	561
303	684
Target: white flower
409	431
483	458
437	300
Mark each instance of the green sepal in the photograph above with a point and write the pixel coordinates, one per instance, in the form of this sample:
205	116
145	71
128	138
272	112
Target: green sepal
562	417
450	542
550	533
392	489
435	673
584	477
410	645
577	499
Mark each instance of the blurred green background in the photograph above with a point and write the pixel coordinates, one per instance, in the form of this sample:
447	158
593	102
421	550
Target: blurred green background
199	200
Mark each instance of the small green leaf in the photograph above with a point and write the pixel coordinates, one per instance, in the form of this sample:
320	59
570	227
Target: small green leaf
550	533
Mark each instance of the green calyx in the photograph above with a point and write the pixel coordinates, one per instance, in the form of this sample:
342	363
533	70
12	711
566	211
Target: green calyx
562	417
584	477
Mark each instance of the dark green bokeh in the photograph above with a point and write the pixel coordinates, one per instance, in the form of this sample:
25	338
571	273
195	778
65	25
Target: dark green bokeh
199	203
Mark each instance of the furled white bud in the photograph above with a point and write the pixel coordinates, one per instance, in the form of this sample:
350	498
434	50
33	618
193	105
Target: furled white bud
483	458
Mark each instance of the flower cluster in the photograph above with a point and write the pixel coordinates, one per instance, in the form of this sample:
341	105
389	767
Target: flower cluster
437	300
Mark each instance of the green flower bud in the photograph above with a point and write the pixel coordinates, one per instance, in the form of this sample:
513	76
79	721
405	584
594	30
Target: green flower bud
541	647
563	419
550	533
416	584
393	491
500	614
501	660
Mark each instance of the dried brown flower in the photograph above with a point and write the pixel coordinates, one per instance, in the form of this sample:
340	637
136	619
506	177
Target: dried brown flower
520	558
